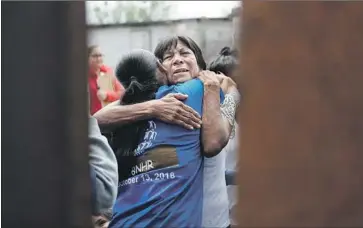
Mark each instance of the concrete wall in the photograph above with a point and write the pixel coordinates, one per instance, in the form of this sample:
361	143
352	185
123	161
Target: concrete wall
116	40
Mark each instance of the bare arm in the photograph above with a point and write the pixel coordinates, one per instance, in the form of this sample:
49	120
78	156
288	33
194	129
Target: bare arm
217	119
214	131
114	114
169	109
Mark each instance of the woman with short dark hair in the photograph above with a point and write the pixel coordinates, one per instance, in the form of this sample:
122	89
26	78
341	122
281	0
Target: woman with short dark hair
161	165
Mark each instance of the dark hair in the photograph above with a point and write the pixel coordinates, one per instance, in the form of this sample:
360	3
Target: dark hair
225	62
90	49
104	217
137	73
171	42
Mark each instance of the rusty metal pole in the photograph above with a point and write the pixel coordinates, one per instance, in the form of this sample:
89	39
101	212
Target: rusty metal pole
45	178
301	150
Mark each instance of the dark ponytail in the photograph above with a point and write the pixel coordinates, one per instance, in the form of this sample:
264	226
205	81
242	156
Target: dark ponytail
227	51
225	62
137	73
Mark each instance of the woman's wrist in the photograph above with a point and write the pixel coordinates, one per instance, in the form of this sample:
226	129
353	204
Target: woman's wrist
150	108
212	86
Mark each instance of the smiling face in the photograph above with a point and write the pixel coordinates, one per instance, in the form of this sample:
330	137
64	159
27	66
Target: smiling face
180	64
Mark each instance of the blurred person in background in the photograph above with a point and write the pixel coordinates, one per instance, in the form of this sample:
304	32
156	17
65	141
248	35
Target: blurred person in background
220	208
182	60
103	85
103	170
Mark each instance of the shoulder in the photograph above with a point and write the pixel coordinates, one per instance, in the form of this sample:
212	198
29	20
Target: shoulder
193	83
191	87
194	86
164	90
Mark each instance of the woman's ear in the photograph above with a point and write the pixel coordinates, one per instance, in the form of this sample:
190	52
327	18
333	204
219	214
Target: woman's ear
161	68
161	74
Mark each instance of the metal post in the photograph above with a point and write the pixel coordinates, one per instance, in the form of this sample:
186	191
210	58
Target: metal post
45	178
301	147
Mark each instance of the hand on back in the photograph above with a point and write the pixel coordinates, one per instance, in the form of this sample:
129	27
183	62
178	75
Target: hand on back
172	110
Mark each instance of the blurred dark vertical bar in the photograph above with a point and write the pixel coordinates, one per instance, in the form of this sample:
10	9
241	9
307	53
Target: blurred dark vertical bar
45	178
302	144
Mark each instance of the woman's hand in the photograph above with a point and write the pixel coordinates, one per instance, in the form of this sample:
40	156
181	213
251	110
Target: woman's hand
172	110
209	78
169	109
227	84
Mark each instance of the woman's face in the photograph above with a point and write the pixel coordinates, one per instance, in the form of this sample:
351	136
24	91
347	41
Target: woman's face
180	64
95	58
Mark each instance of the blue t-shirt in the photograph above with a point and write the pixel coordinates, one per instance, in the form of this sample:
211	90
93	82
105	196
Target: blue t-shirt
165	188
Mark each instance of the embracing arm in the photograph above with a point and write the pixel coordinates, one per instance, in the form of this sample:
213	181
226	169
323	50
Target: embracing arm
218	120
215	132
114	114
168	109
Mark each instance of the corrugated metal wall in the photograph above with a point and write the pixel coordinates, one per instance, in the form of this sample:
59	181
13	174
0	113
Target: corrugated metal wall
211	35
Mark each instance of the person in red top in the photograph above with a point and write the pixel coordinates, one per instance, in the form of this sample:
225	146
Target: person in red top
104	87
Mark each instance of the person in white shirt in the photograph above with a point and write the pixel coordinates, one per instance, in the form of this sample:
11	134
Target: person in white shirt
218	200
231	151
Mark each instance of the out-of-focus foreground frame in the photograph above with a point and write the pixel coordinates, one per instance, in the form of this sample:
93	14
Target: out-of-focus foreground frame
45	178
301	147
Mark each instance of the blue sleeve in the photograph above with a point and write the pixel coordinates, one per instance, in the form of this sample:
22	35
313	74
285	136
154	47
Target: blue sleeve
221	96
195	91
